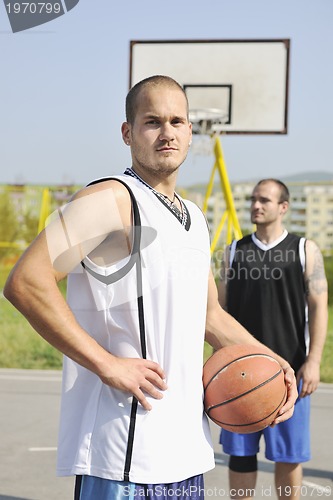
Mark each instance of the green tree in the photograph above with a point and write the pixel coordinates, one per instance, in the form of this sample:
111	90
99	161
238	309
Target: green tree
9	224
29	227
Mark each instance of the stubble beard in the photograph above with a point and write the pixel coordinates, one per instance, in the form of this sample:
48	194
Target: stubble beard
159	169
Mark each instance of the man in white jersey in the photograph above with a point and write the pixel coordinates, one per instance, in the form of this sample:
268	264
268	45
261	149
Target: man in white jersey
275	286
141	300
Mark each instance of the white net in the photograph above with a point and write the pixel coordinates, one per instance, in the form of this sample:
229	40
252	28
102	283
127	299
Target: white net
202	145
208	120
206	123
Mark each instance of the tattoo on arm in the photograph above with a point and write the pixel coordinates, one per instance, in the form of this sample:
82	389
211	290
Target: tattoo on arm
316	281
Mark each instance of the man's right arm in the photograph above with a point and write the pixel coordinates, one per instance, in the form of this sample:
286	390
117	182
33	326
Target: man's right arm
32	287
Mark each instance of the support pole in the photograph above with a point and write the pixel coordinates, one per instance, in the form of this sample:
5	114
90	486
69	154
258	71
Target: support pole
230	214
44	210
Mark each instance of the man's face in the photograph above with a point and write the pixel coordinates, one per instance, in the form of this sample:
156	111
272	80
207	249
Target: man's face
265	204
161	133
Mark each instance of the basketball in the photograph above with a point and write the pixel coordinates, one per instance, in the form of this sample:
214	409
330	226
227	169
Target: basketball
244	388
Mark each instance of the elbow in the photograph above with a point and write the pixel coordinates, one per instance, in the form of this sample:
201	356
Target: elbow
8	289
14	290
318	305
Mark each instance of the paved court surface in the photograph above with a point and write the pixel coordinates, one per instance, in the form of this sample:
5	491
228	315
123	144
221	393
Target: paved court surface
29	410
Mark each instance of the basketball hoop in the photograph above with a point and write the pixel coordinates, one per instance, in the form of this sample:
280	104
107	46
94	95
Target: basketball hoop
208	121
233	87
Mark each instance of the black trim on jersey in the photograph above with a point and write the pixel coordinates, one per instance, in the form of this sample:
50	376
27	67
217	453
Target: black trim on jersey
188	220
183	217
134	259
187	224
112	278
130	441
77	489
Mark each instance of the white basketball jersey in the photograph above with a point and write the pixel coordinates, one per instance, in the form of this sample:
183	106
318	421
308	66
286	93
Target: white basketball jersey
102	432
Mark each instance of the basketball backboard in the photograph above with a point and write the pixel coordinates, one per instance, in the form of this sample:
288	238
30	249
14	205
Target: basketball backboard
233	86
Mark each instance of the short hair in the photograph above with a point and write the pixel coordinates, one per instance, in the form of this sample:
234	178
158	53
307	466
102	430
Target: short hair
284	191
151	81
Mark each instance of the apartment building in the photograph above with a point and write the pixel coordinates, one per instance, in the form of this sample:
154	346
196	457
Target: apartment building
310	213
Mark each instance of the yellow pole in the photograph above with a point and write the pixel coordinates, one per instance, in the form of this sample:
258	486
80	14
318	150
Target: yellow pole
10	244
218	231
230	214
209	188
226	189
44	210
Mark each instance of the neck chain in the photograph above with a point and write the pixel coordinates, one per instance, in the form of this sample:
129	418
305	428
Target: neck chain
171	203
167	199
180	214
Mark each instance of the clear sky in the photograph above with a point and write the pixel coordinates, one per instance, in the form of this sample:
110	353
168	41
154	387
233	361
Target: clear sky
63	86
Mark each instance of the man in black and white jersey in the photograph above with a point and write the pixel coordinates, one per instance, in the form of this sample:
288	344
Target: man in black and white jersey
274	284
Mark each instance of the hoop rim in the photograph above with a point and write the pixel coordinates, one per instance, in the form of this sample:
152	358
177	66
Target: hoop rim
201	114
207	121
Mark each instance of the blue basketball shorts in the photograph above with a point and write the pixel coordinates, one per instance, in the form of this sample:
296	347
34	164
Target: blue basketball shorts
287	442
93	488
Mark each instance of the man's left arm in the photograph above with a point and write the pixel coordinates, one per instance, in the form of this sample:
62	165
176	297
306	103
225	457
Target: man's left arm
222	330
317	296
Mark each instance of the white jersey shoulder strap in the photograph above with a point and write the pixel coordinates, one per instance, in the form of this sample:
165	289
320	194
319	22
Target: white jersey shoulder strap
302	252
232	252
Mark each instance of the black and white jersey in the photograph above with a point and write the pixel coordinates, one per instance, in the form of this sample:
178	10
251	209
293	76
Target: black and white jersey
102	431
266	293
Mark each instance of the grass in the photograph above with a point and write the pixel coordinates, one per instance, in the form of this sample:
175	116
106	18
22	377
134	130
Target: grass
326	369
22	347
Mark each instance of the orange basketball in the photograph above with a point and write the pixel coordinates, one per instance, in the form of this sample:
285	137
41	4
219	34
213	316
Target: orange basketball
244	388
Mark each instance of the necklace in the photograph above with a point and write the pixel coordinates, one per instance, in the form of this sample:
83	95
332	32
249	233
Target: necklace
168	199
170	203
181	214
